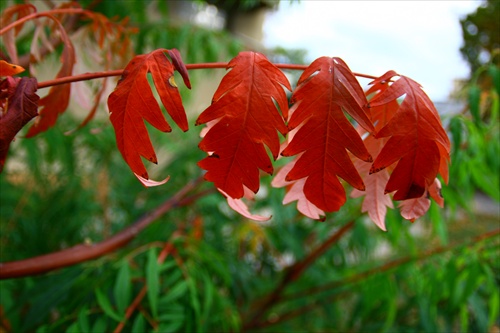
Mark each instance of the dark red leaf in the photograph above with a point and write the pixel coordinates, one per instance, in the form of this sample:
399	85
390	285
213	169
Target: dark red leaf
417	140
22	107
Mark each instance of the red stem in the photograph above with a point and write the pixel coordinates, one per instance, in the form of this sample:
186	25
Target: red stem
48	13
118	72
167	249
84	252
293	273
311	292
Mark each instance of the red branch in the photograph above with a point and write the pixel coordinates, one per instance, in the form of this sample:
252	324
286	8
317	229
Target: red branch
319	290
292	273
118	72
167	249
84	252
48	14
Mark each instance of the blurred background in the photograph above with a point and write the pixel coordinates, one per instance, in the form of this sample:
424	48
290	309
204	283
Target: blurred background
219	271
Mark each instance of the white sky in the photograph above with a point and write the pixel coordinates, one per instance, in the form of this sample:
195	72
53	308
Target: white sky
419	39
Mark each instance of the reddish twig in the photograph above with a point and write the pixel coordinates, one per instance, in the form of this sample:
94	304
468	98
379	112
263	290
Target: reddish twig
118	72
360	277
84	252
293	273
47	13
167	249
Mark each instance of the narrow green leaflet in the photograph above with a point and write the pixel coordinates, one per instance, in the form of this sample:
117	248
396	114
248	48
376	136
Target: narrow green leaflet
474	100
153	281
139	324
105	305
174	293
83	320
123	288
195	303
100	325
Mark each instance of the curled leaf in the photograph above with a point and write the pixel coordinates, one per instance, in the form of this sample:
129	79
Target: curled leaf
133	101
239	206
22	107
417	140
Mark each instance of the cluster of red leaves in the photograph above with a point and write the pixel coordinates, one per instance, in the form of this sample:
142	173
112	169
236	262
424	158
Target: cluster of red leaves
57	100
404	148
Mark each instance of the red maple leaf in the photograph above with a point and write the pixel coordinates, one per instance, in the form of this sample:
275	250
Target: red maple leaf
22	107
417	140
133	101
247	119
324	91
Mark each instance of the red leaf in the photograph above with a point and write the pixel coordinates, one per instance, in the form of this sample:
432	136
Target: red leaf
375	200
412	209
325	90
241	207
295	192
22	107
417	140
133	101
244	105
10	15
57	100
7	69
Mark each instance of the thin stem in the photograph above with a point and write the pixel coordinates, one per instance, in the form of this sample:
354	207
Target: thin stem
84	252
118	72
167	249
48	13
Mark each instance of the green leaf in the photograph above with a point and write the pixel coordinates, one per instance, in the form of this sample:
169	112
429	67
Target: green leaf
139	324
174	293
153	281
83	320
123	288
208	299
195	303
100	325
43	329
73	328
456	129
464	318
170	326
474	99
438	222
494	72
391	312
494	307
105	305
